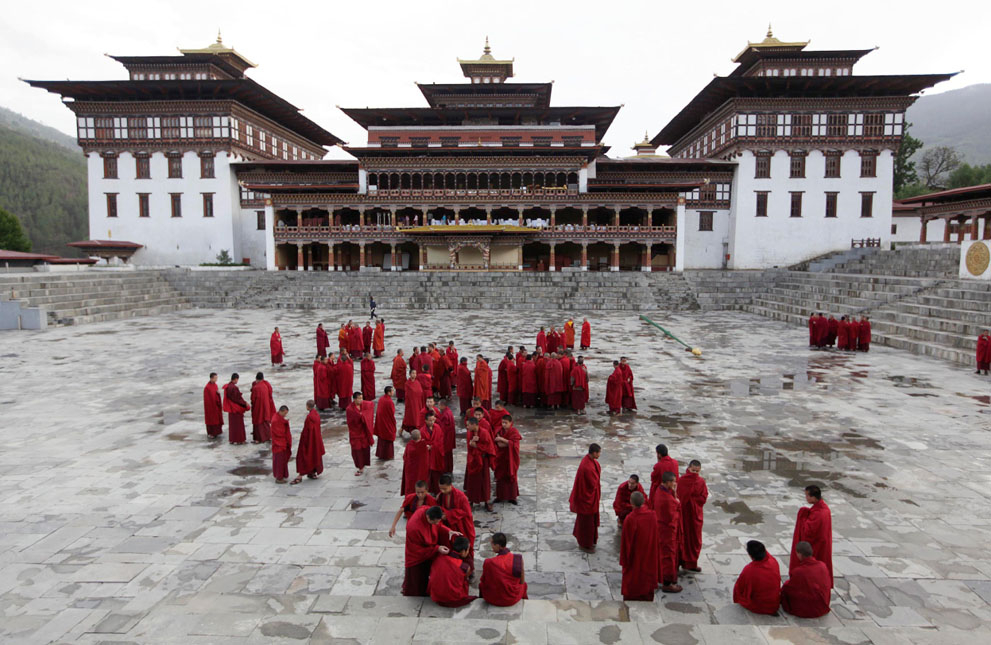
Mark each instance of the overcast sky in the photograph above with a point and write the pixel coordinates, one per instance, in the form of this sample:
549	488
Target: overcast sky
651	57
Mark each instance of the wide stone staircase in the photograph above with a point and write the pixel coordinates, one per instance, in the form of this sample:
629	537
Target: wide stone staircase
922	261
92	296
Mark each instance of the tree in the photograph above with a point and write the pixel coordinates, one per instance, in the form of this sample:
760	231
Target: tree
224	257
904	173
937	162
967	175
12	237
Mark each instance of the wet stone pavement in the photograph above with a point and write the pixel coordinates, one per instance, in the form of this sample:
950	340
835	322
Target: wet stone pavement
121	522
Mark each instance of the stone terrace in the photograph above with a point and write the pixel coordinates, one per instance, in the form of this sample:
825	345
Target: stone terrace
121	522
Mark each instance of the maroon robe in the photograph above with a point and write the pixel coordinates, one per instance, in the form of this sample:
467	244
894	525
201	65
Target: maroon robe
345	383
553	382
667	509
323	342
416	468
584	502
864	336
213	409
448	586
507	463
275	348
321	394
235	406
692	493
478	477
759	586
586	340
262	409
413	405
638	554
330	380
411	503
466	389
281	446
310	451
629	398
815	526
385	427
528	383
842	328
368	379
983	352
614	390
502	582
458	517
621	505
436	455
366	338
542	340
399	377
666	464
503	379
807	591
421	547
442	377
356	345
579	387
832	328
360	421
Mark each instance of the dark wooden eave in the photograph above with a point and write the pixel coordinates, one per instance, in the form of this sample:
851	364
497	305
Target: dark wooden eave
754	55
435	92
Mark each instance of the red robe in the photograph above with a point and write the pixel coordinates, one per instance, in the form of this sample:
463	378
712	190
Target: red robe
621	505
832	328
355	343
478	478
505	389
413	405
539	364
323	342
213	409
759	586
458	517
666	464
345	382
584	502
281	435
667	509
553	341
310	451
638	554
853	335
864	338
399	376
983	352
330	381
629	398
436	456
815	526
483	383
421	547
425	365
507	463
569	335
451	355
542	340
368	379
692	493
366	338
385	419
842	327
378	339
579	387
445	421
426	387
415	466
414	360
275	347
442	376
553	382
235	406
614	390
528	377
411	503
360	422
262	409
321	395
806	593
502	582
448	585
586	335
466	389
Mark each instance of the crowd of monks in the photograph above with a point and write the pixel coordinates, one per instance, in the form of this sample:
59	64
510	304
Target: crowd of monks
847	333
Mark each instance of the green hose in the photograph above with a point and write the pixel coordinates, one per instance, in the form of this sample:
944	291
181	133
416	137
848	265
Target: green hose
670	335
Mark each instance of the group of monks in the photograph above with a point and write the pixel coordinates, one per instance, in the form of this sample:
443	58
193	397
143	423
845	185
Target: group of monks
847	333
983	352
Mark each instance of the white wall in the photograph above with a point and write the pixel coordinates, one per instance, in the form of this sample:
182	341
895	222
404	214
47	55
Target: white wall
910	228
704	249
781	240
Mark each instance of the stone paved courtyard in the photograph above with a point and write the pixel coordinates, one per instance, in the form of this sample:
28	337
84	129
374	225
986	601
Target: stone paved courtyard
121	522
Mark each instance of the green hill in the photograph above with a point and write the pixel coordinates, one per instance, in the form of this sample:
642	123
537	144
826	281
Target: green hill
43	183
960	119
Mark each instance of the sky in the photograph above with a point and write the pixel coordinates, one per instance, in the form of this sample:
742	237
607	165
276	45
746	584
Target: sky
650	57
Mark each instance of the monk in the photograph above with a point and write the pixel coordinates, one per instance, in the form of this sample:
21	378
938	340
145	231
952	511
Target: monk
553	382
356	344
415	465
235	406
542	339
495	416
411	503
330	369
758	588
385	425
414	359
360	420
464	385
504	387
815	526
275	347
864	336
841	333
578	382
310	451
378	338
528	382
323	341
638	551
457	513
426	383
692	493
665	464
614	389
621	505
412	407
281	445
553	341
448	585
478	477
399	375
213	408
262	409
832	329
436	446
442	376
569	334
806	593
629	398
822	330
813	331
584	500
667	509
540	363
367	377
853	334
366	338
451	353
426	361
445	423
507	461
421	547
320	392
503	582
343	339
483	381
345	381
983	352
586	340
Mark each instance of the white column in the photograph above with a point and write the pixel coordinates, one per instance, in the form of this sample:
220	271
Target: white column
679	245
270	237
362	181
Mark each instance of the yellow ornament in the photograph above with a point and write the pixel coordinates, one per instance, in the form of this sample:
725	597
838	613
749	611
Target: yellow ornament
697	351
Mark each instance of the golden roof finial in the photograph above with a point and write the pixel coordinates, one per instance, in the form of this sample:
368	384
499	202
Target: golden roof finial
770	34
220	40
487	49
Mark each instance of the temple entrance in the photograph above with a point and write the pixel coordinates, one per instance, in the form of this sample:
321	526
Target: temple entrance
408	256
599	256
536	256
662	257
631	256
567	255
285	257
663	217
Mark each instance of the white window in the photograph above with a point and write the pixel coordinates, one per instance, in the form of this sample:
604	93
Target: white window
893	124
722	192
250	134
855	125
746	125
784	125
85	127
819	122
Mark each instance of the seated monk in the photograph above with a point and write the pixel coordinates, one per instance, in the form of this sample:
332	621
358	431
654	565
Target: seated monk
759	586
503	582
621	505
806	592
449	573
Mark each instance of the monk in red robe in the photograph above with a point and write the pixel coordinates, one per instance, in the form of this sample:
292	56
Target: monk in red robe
667	509
815	526
584	500
540	363
629	398
614	389
984	352
451	353
864	334
235	406
586	340
448	586
665	464
426	384
262	409
841	333
569	334
412	407
542	339
822	330
411	503
578	380
281	445
368	378
426	363
356	344
275	347
507	460
503	376
692	493
310	450
436	449
385	425
345	381
323	341
378	339
361	420
415	465
442	376
553	381
528	382
213	408
503	582
457	513
565	391
330	367
495	416
832	329
638	550
483	381
399	375
478	474
320	393
812	329
553	341
422	532
758	588
807	591
464	385
621	505
414	359
366	338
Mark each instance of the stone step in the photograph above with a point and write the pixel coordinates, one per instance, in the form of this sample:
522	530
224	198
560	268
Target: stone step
979	316
116	308
95	298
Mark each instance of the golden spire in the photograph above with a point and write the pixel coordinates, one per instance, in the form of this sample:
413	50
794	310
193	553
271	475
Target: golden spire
220	41
487	49
770	34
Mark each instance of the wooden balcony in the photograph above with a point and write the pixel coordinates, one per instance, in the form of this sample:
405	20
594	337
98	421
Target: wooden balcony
559	233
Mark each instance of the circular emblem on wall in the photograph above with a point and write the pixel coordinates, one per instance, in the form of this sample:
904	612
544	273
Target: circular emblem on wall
978	258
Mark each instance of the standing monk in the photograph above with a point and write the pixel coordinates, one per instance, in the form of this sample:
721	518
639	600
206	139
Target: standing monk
852	334
360	419
452	360
621	505
528	382
614	389
356	343
832	329
275	347
436	448
399	375
483	381
553	381
983	352
841	333
503	582
586	341
665	464
235	406
629	398
445	421
478	474
421	548
507	461
262	409
504	387
578	380
378	338
759	586
584	500
213	408
367	378
415	465
442	376
385	425
569	334
321	395
281	445
668	512
692	493
412	407
542	339
457	513
366	338
345	381
463	382
638	551
323	341
864	340
310	451
343	338
815	526
330	367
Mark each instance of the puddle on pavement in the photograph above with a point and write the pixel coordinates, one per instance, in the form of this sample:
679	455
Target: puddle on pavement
986	400
355	505
805	464
743	513
176	436
228	492
247	471
908	381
